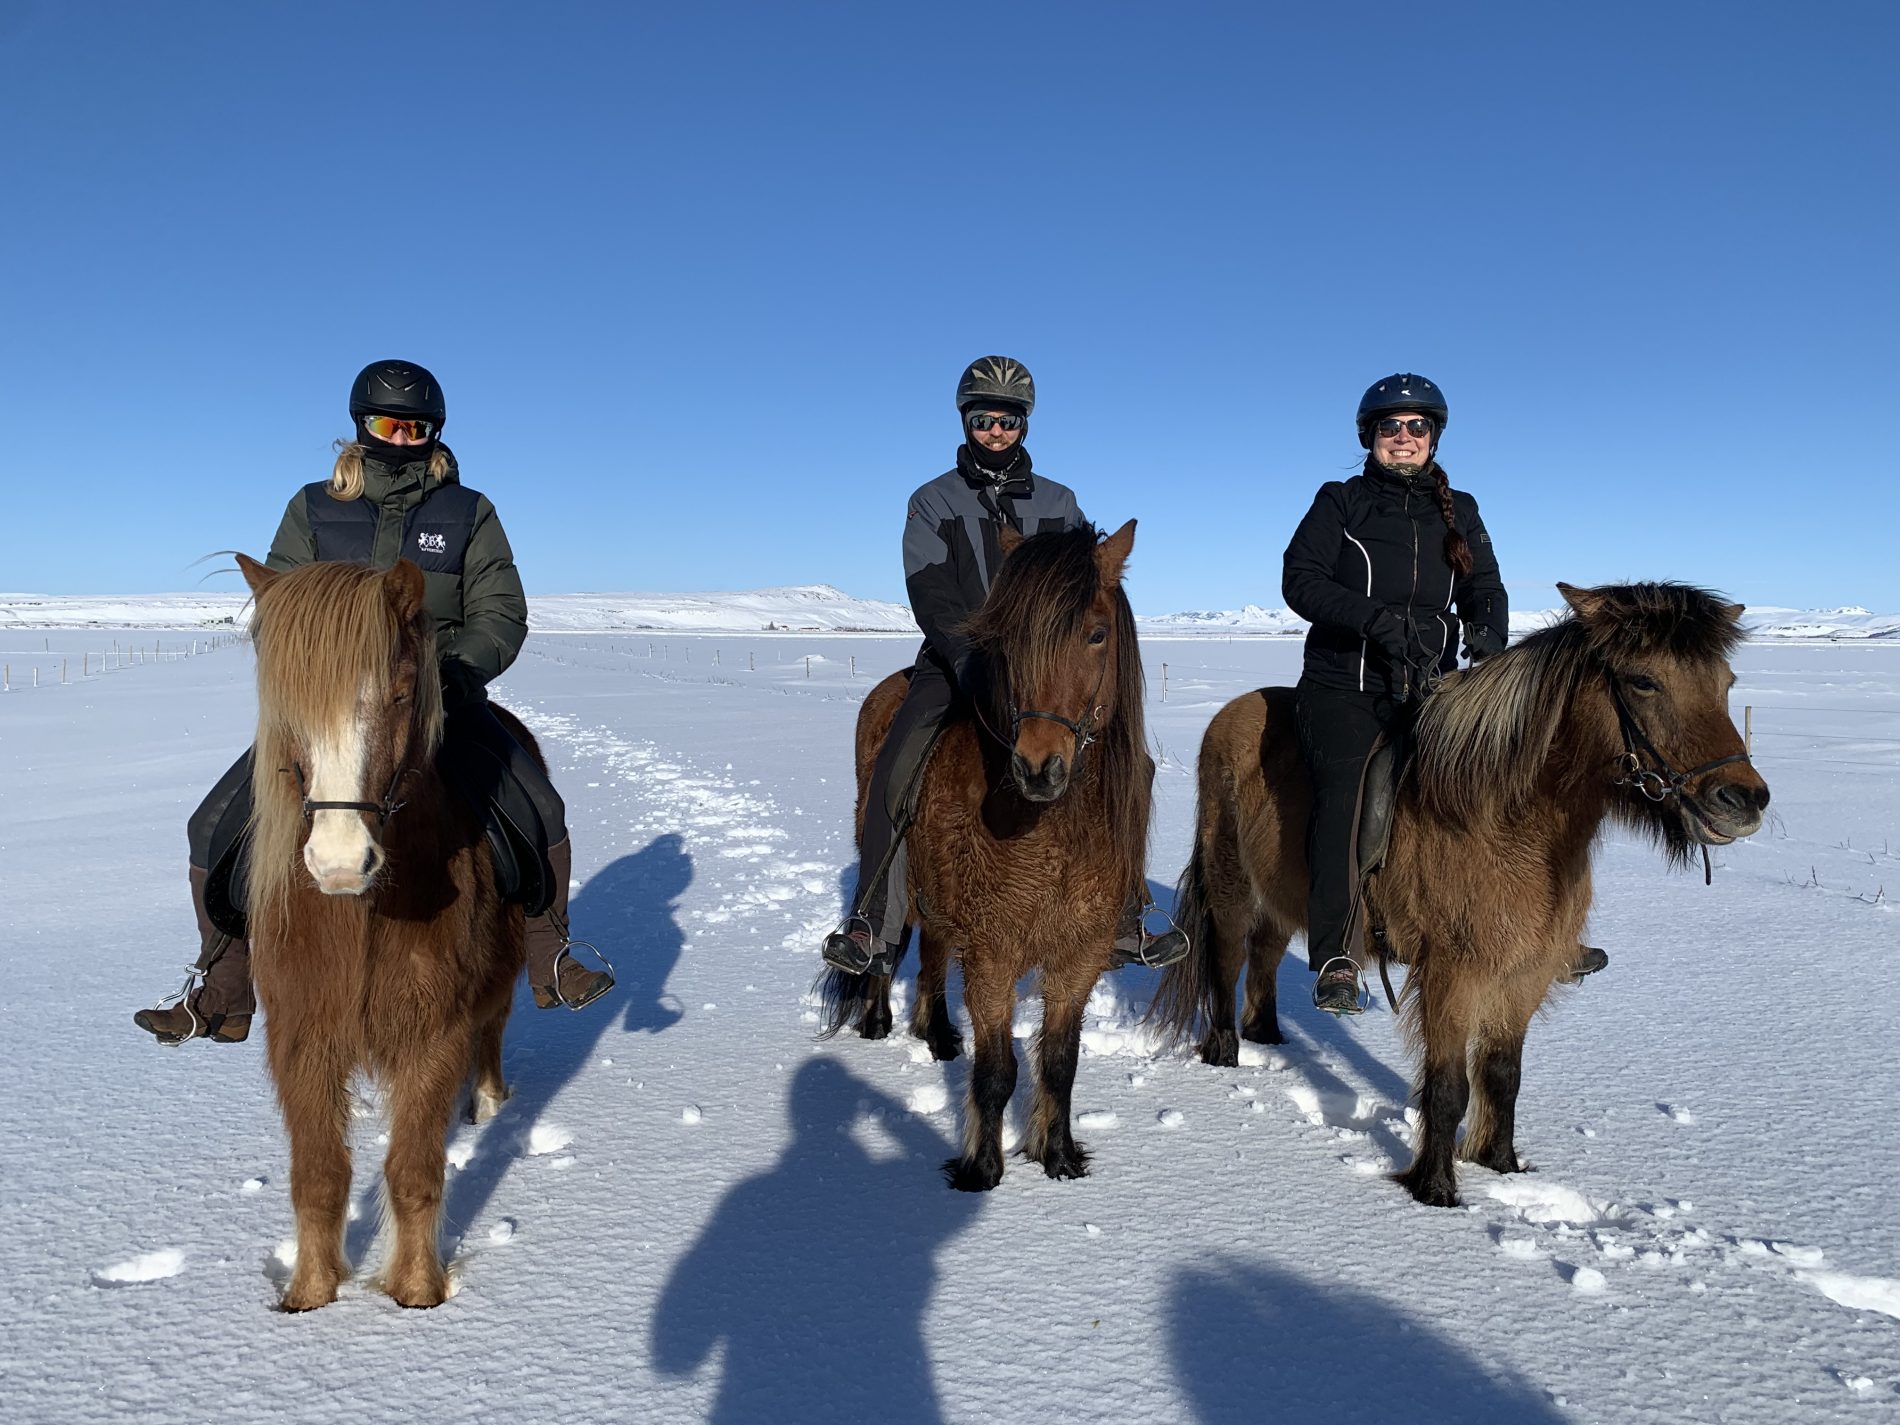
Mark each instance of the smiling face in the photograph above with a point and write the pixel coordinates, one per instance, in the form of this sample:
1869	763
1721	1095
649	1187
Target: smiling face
1403	449
995	439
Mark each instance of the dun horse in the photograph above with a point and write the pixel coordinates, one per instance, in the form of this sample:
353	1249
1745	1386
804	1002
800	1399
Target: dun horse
1519	762
1030	835
379	942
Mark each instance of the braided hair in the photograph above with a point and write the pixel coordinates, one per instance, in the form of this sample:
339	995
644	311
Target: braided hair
1457	550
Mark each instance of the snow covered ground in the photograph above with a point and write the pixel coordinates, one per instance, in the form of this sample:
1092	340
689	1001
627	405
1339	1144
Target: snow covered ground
691	1210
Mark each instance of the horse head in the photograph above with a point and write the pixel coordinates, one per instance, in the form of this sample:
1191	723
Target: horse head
1664	651
1054	631
349	709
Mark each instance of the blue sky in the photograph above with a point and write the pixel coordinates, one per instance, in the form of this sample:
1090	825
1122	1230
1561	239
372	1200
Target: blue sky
699	279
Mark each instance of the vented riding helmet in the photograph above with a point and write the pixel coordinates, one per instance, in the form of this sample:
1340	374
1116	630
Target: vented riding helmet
997	378
1404	391
398	388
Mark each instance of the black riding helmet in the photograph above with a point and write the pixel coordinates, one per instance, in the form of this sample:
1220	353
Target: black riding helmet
1403	391
398	388
996	380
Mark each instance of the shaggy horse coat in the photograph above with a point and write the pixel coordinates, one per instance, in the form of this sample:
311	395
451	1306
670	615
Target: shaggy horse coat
1618	712
1030	834
379	943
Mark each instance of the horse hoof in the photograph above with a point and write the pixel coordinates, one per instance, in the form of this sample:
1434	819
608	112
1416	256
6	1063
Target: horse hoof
1221	1048
966	1176
420	1296
307	1295
483	1105
1263	1032
946	1047
1073	1163
1431	1189
874	1029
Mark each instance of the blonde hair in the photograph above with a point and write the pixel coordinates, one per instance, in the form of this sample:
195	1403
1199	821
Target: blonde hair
346	476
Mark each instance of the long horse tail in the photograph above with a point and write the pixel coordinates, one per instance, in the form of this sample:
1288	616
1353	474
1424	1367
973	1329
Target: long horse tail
1181	999
842	999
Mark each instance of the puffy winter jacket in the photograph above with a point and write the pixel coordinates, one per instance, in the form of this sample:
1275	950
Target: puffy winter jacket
1376	542
471	585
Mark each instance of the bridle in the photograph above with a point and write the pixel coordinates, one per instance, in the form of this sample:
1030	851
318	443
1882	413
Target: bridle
1084	731
388	806
1661	781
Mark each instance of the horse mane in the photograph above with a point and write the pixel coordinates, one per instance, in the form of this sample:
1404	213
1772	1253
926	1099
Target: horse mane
326	638
1486	734
1037	605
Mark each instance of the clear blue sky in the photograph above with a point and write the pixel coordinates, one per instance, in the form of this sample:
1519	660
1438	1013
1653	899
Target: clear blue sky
699	278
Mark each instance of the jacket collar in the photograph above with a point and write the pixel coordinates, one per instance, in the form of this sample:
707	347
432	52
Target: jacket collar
405	485
1016	482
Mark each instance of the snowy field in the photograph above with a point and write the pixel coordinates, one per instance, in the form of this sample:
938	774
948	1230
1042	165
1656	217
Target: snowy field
692	1210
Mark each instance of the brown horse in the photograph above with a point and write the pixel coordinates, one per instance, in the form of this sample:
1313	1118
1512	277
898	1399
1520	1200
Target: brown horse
1030	835
378	940
1487	883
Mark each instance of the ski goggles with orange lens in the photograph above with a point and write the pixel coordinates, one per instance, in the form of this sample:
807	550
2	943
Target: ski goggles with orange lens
388	427
983	421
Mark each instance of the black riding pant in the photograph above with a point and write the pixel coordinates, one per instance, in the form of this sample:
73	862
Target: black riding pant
1337	730
891	800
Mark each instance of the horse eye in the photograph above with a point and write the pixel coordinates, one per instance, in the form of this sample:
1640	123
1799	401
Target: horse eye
1642	684
1099	636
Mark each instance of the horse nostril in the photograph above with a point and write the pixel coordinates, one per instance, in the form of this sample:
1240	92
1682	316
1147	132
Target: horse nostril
370	861
1741	799
1055	769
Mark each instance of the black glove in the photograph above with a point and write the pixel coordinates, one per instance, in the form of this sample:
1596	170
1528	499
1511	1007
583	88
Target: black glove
462	684
1385	630
1481	641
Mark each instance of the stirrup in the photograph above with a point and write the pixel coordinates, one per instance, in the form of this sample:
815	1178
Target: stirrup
194	977
1358	994
1143	940
567	952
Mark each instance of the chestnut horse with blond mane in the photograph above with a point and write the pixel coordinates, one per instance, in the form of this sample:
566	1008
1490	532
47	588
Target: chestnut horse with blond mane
1030	835
1520	761
379	942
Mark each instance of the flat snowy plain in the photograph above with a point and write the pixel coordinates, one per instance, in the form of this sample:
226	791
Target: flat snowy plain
693	1210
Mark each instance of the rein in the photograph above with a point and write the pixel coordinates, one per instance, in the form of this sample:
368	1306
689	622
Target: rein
1659	782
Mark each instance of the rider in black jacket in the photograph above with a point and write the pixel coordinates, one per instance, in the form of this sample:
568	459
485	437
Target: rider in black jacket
1388	567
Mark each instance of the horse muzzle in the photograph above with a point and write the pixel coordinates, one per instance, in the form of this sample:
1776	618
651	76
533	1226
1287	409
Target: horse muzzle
1039	784
1727	812
343	870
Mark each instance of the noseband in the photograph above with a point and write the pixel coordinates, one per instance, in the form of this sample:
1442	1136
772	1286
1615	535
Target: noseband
382	810
1084	731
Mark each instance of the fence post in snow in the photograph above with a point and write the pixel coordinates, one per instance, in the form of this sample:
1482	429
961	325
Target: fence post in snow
715	658
1164	682
808	665
748	663
854	665
6	678
62	670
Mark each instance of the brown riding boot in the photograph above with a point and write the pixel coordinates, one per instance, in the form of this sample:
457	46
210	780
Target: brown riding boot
217	1001
554	975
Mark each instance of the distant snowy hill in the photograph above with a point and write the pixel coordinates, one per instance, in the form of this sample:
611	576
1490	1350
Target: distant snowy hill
816	608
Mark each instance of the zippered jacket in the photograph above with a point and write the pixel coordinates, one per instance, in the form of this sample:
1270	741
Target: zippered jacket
951	549
470	584
1377	542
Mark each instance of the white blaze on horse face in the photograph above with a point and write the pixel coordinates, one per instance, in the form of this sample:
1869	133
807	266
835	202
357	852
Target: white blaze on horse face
341	854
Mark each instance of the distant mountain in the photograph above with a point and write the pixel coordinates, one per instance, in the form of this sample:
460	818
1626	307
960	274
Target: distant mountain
819	608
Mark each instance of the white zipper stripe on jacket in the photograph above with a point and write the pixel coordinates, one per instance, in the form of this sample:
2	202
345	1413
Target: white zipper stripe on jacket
1362	638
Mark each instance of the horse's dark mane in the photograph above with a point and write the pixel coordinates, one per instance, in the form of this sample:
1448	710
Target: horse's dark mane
1037	605
1486	735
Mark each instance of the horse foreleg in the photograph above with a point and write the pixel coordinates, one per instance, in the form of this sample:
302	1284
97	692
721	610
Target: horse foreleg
1266	947
312	1076
991	998
422	1091
930	1017
1443	1091
1496	1063
1050	1140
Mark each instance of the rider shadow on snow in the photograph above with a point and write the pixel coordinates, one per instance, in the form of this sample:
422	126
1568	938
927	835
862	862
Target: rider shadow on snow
1219	1315
814	1276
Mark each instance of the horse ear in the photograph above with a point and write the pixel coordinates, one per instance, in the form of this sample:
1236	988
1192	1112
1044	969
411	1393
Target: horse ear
403	585
1112	553
1583	602
1009	540
1735	611
255	574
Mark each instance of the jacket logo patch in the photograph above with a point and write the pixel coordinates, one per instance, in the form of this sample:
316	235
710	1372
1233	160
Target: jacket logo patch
432	543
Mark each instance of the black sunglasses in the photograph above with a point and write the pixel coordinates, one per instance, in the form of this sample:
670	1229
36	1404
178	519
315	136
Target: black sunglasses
982	421
1416	426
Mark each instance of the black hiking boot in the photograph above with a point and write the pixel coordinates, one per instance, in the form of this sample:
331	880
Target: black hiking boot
852	949
1589	960
1337	989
